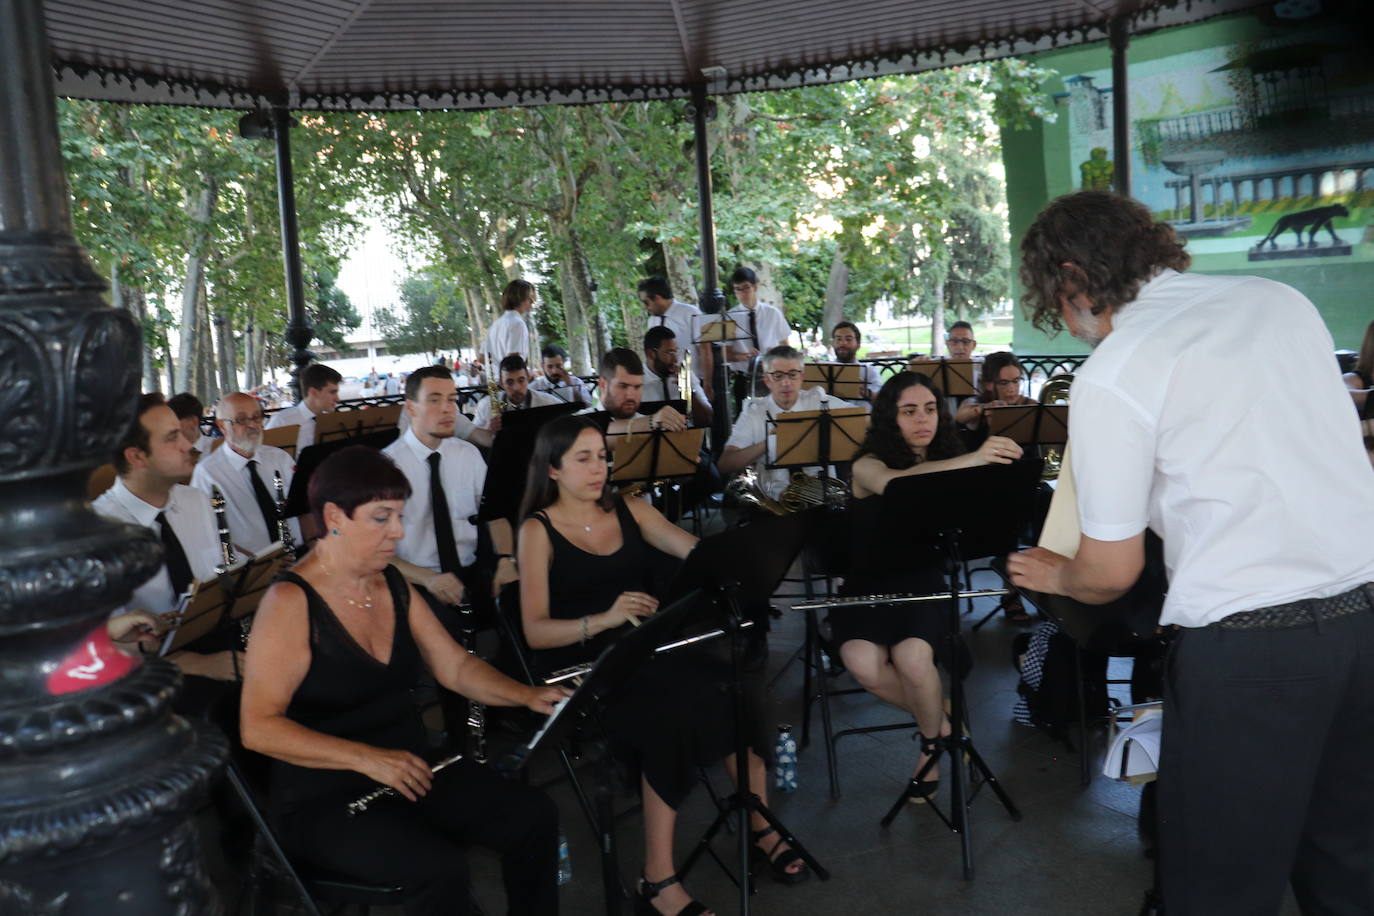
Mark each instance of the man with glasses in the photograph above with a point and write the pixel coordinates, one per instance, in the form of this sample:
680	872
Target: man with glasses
751	440
959	341
244	470
760	325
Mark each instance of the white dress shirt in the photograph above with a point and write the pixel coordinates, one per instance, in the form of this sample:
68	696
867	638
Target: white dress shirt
463	474
683	319
772	326
752	427
871	379
193	522
1256	480
297	414
228	470
508	334
482	415
660	389
575	390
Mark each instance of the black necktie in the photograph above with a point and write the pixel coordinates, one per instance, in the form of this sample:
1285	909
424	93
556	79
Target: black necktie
266	505
754	328
178	567
443	522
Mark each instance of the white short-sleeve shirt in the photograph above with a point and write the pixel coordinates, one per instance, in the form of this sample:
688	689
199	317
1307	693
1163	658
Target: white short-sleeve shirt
773	331
297	414
683	319
1214	413
228	470
193	522
462	472
482	415
752	428
508	334
659	389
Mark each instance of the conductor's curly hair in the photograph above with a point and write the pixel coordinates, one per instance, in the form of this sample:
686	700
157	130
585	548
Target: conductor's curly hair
1114	240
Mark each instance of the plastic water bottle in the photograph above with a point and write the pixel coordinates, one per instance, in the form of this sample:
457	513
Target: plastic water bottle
564	863
785	761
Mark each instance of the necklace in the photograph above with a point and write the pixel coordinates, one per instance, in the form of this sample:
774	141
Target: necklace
365	604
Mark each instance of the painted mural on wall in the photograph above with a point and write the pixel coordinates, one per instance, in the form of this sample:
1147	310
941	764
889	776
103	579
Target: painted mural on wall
1258	151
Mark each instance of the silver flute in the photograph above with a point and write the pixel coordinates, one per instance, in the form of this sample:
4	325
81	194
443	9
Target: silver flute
864	600
477	713
288	546
226	546
361	803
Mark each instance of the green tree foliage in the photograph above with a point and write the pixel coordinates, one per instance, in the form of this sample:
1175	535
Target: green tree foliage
430	320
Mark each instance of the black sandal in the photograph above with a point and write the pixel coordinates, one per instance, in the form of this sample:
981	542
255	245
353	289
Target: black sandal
759	859
922	791
648	890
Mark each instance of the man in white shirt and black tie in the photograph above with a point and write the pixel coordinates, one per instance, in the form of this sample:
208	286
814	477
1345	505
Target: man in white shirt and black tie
557	381
1262	495
760	327
844	340
244	470
153	463
684	319
321	386
661	378
515	394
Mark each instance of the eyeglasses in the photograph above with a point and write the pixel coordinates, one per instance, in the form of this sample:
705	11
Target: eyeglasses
960	340
247	421
791	375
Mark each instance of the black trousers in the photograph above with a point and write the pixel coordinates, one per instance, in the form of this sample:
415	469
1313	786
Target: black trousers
420	845
1267	770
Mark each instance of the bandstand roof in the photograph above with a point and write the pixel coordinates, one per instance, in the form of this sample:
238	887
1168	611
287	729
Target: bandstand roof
418	54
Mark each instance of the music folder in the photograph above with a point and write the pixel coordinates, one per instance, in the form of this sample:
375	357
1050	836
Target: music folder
1030	424
350	424
840	380
283	437
953	376
811	438
223	599
723	330
656	455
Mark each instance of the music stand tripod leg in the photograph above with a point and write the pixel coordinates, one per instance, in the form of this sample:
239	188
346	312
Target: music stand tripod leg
743	802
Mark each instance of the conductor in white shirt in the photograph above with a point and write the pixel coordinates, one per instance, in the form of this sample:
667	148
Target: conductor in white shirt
244	470
153	462
321	386
662	362
515	394
1262	495
508	334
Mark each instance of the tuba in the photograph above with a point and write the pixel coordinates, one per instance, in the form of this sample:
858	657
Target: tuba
1055	391
806	492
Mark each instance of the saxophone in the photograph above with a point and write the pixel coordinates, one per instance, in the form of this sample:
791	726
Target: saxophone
288	545
477	713
226	546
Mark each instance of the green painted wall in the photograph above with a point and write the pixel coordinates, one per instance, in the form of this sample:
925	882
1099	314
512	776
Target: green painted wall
1040	167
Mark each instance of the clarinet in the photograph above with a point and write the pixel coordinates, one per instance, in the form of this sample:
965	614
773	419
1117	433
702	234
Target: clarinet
226	546
477	713
288	546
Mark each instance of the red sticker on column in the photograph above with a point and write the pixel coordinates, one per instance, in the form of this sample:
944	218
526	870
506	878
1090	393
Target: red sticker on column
95	661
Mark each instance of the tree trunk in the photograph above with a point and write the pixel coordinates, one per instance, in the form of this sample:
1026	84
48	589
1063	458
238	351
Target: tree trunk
199	207
937	320
171	367
835	289
768	290
228	355
575	316
252	378
259	353
680	277
207	388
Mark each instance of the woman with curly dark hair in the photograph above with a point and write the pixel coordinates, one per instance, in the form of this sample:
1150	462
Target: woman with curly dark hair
891	650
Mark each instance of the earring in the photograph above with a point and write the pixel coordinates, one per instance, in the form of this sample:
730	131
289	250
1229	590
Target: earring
334	531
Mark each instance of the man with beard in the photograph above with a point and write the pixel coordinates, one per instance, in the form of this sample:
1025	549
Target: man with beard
845	340
622	391
1262	495
557	381
662	357
515	394
244	470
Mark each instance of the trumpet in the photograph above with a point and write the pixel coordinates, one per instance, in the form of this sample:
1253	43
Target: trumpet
288	545
362	802
477	713
226	546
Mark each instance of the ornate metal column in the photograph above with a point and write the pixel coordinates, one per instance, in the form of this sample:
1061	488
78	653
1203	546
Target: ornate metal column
1119	33
298	329
712	298
97	777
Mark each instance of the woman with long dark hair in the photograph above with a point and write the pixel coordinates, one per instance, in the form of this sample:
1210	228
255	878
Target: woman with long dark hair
1000	383
338	643
892	650
584	565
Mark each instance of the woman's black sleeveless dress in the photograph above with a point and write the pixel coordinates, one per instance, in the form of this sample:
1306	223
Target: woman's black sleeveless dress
884	565
675	714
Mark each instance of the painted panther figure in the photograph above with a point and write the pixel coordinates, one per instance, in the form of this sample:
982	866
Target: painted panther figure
1316	219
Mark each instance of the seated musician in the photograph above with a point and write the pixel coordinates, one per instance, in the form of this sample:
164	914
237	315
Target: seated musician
584	561
515	393
1360	380
891	650
337	645
189	412
557	381
750	440
844	340
663	359
1001	381
621	385
244	470
321	386
153	463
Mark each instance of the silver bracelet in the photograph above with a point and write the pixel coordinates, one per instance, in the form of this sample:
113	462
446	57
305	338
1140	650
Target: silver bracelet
584	622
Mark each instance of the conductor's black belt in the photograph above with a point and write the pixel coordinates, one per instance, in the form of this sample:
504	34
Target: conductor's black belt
1302	612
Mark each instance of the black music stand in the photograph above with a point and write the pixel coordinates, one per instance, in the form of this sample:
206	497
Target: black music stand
960	515
509	461
740	567
1030	424
844	381
818	438
312	456
615	666
649	408
954	377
